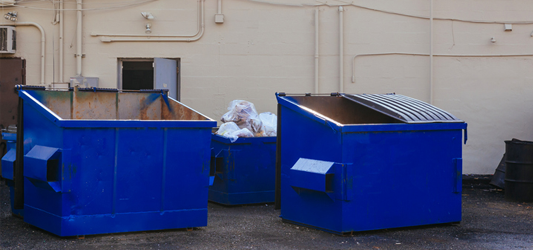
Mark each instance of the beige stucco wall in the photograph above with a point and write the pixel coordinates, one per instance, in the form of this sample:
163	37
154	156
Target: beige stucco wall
262	48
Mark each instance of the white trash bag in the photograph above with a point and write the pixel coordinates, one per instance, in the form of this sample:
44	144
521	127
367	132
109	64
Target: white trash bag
270	123
257	127
241	133
242	120
240	112
227	130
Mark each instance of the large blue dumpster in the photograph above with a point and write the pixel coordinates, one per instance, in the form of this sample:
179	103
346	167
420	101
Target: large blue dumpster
366	162
244	170
107	161
7	171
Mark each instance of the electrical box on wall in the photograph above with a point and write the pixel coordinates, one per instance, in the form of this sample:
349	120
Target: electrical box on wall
508	27
84	82
219	18
8	41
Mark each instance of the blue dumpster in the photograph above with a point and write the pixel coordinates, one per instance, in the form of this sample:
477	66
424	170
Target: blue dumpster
107	161
244	170
366	162
7	170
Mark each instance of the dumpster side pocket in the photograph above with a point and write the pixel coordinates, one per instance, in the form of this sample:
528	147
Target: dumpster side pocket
41	167
224	163
313	175
8	164
216	166
212	168
322	176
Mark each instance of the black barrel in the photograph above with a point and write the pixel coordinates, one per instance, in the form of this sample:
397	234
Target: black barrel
519	171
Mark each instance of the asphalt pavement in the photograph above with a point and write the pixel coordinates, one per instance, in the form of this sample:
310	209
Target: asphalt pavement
489	222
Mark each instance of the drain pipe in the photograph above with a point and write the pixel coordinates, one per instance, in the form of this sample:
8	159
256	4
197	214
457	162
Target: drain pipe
341	49
435	55
431	52
43	42
78	38
316	50
61	50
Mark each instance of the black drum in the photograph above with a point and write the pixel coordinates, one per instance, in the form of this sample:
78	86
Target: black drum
519	171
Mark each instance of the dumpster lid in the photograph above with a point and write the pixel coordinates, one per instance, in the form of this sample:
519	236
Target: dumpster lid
402	108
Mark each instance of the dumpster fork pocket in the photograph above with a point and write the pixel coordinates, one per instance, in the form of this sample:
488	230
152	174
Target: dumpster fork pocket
323	176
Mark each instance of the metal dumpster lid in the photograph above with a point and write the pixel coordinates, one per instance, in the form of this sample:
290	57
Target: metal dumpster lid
402	108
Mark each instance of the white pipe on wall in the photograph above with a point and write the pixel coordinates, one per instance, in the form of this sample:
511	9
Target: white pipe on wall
43	42
431	52
61	49
219	7
159	38
316	50
79	38
437	55
341	49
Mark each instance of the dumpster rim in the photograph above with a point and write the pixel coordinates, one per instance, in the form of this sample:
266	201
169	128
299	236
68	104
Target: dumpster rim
307	112
293	105
120	123
394	127
225	140
48	113
369	127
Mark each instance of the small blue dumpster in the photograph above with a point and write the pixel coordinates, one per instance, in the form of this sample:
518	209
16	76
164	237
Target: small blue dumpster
244	170
366	162
7	171
107	161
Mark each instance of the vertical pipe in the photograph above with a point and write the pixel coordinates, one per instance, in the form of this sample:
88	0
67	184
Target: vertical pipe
431	52
316	50
79	37
341	49
61	28
219	7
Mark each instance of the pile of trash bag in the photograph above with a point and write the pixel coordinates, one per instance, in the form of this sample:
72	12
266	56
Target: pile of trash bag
242	120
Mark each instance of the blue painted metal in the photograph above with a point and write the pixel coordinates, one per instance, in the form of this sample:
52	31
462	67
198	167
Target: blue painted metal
11	139
8	163
381	175
107	162
244	170
312	175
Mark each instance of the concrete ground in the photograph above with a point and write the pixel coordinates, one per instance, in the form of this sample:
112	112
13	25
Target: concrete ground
489	222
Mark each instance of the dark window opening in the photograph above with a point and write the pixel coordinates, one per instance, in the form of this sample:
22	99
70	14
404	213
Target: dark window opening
137	75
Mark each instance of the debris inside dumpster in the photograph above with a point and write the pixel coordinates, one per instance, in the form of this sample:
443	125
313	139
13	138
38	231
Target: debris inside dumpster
242	120
227	128
270	123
